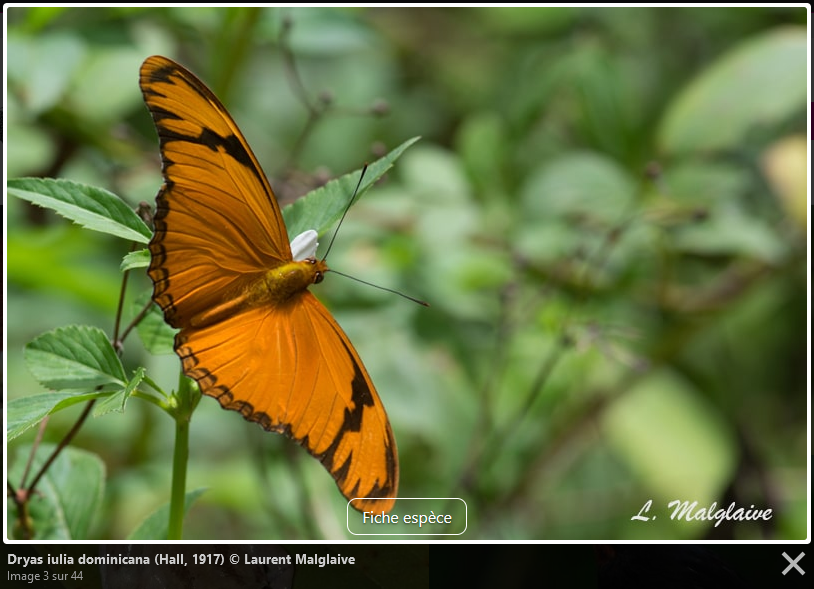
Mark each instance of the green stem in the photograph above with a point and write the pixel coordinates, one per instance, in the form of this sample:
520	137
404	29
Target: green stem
179	479
185	400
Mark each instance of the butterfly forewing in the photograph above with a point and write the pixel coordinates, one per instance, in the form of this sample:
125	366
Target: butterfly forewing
285	364
216	220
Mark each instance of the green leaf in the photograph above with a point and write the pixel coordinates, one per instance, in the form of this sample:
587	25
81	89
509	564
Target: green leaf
68	495
579	184
117	400
673	438
157	336
26	412
154	527
43	67
322	207
137	259
762	81
728	230
483	146
88	206
74	358
62	261
561	198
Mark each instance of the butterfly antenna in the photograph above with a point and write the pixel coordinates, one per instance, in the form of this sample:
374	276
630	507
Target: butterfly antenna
330	245
401	294
347	208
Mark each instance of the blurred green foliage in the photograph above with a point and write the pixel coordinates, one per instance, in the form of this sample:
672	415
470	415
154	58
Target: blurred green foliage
606	212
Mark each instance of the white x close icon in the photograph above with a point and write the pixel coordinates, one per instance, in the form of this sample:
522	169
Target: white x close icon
794	563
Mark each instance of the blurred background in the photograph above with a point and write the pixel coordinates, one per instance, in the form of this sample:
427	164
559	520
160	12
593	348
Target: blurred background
607	213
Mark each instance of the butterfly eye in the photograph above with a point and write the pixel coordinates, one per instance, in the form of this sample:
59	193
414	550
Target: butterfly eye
319	275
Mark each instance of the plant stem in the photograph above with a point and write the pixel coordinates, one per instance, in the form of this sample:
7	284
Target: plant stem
179	479
186	400
62	445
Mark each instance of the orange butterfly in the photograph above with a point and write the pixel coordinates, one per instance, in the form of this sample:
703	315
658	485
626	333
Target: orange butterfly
251	334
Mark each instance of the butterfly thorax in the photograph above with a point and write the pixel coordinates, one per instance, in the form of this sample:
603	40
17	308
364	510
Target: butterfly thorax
280	284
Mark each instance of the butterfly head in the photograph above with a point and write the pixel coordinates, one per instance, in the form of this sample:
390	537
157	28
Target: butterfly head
304	249
320	268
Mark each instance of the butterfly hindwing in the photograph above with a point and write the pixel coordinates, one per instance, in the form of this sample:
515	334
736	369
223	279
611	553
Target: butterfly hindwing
313	389
220	261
